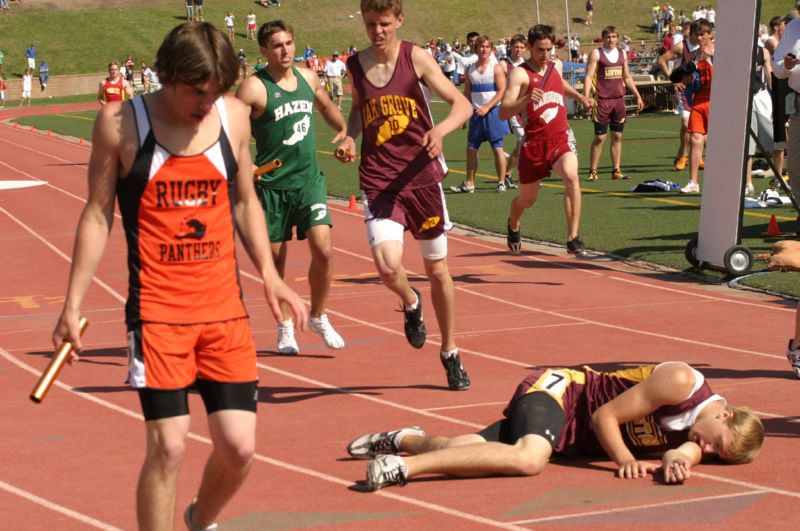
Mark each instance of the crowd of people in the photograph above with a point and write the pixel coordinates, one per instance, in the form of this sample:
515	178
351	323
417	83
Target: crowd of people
143	146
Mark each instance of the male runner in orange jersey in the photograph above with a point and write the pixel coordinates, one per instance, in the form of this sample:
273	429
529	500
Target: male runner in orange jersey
187	325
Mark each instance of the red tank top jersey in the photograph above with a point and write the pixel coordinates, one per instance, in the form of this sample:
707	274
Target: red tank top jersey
115	90
706	72
608	82
395	118
178	217
547	118
582	392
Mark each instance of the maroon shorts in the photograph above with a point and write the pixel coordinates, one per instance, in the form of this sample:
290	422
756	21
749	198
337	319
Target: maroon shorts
609	111
421	211
538	156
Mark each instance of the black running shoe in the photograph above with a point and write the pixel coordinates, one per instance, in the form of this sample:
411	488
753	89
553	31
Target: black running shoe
575	246
513	239
457	377
414	325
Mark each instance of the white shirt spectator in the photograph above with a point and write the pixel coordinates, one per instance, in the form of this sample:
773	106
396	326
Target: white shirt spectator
711	15
500	51
789	43
335	68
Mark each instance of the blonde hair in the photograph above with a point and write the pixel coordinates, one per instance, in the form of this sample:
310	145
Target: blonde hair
748	434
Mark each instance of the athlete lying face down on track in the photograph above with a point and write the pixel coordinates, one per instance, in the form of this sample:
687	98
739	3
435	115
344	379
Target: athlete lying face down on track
667	409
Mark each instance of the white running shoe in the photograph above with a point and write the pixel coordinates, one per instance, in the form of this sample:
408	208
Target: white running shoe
691	188
374	444
501	187
386	470
323	327
286	341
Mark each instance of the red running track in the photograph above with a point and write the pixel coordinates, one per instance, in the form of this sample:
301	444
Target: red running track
72	462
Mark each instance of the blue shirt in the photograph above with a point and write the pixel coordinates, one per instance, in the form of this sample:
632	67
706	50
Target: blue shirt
31	53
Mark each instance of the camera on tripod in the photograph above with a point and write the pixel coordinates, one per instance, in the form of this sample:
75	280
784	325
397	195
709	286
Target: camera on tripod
685	69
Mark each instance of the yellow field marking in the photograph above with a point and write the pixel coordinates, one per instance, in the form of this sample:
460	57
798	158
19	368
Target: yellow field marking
26	302
76	116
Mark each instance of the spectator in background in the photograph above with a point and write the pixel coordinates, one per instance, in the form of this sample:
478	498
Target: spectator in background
468	55
334	71
27	87
608	74
114	87
574	49
448	63
189	4
242	58
779	91
251	25
516	56
198	11
484	86
145	78
230	26
30	53
2	92
315	65
130	65
761	115
2	60
44	74
589	12
711	14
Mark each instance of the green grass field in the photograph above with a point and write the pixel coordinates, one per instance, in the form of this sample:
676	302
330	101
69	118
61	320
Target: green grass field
652	228
82	36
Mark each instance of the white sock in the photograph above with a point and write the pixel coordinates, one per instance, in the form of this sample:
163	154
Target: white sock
413	306
448	354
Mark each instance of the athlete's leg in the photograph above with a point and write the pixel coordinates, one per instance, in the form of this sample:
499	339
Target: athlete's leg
472	166
155	491
695	155
615	150
683	147
595	150
443	298
279	253
567	168
527	457
499	163
233	433
320	272
388	259
525	199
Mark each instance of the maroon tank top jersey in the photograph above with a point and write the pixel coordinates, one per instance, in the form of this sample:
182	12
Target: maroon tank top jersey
582	392
548	117
395	118
608	82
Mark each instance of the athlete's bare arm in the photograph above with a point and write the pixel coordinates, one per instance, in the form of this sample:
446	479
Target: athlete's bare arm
428	72
325	105
250	220
112	132
591	71
670	55
346	152
569	91
668	385
128	90
515	99
101	93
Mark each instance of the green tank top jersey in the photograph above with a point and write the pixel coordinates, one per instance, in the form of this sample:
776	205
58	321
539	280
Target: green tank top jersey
285	131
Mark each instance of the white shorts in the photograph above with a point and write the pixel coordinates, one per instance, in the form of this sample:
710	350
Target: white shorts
31	63
382	229
26	94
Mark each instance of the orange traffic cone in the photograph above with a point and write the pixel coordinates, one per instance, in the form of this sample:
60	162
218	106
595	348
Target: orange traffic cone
353	206
16	125
33	128
773	230
80	141
49	132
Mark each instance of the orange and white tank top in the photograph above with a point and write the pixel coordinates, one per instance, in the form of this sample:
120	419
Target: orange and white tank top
177	211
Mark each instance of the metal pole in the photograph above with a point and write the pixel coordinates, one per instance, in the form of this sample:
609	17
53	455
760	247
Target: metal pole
538	20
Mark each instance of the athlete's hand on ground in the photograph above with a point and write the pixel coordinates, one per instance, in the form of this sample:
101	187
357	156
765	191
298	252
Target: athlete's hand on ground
676	470
635	469
432	141
346	152
68	329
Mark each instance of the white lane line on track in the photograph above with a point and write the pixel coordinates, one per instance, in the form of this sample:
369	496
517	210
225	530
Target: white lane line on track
56	250
47	504
637	507
275	462
46	154
54	187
